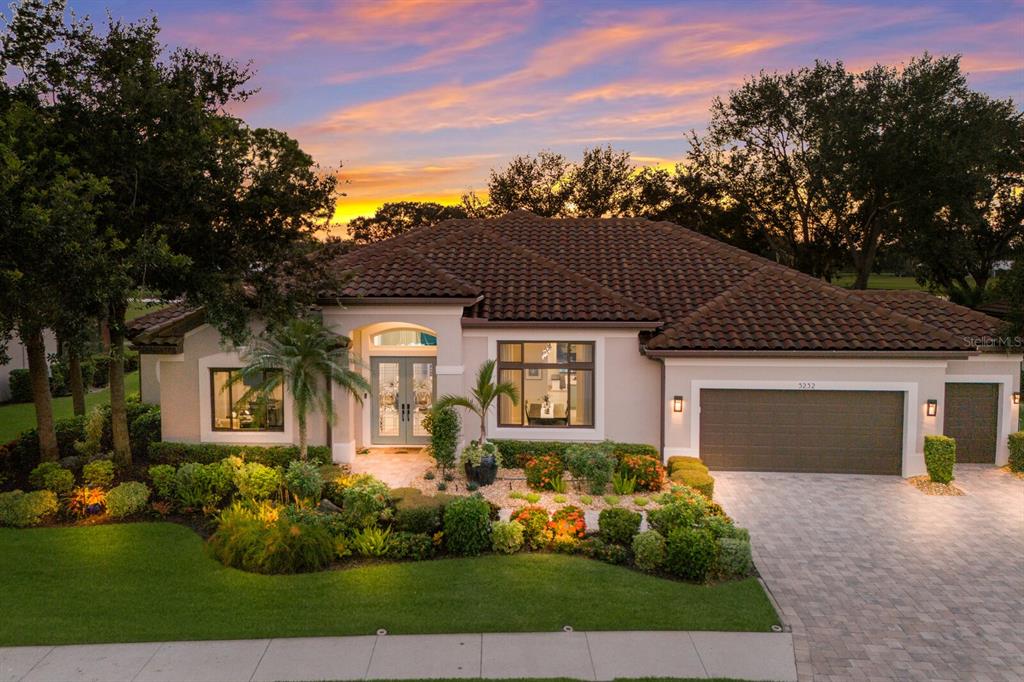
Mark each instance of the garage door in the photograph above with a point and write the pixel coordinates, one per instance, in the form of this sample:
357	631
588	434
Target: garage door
823	431
971	415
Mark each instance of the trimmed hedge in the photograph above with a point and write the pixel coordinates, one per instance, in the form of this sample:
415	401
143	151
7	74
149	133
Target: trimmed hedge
1017	451
205	453
939	457
514	453
698	479
682	462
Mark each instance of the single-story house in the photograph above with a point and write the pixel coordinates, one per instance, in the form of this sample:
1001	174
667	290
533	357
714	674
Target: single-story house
621	329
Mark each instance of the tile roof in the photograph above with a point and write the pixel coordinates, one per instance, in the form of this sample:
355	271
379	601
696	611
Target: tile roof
937	312
701	293
162	330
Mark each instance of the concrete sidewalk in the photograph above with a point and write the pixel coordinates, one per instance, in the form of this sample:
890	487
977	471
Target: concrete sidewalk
581	655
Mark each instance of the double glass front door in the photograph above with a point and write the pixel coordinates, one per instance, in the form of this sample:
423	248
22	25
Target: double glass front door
403	393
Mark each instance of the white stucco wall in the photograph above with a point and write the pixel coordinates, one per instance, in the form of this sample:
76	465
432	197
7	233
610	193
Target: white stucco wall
149	381
18	355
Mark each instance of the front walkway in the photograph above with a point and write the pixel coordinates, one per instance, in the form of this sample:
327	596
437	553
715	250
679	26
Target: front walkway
580	655
879	580
399	467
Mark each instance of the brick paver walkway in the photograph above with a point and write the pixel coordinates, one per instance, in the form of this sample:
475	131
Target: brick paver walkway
398	467
881	581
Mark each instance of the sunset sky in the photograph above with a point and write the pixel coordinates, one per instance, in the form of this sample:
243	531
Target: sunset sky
418	99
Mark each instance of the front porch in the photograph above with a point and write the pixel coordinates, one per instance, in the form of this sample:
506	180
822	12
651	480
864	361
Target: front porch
399	467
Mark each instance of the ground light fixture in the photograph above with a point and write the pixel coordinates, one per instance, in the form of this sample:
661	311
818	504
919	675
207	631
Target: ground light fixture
677	403
1016	397
933	407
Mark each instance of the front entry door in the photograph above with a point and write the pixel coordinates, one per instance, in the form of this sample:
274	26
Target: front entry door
403	394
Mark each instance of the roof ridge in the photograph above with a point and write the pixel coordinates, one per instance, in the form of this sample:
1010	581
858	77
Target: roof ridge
649	313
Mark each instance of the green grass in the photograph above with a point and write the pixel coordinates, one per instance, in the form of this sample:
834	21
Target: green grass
18	417
154	581
881	282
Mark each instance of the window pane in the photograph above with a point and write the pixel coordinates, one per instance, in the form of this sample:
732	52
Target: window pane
577	352
221	401
404	337
507	412
275	404
540	352
581	387
510	352
546	397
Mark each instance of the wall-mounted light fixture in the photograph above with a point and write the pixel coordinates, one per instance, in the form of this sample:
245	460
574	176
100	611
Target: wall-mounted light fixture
677	403
1016	397
933	407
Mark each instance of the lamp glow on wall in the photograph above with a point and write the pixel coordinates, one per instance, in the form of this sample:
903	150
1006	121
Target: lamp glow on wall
933	407
677	403
1016	397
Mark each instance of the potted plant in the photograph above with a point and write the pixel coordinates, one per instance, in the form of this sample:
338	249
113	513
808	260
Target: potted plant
481	462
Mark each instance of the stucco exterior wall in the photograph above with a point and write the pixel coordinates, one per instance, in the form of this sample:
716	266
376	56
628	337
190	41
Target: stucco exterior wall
18	355
919	380
149	380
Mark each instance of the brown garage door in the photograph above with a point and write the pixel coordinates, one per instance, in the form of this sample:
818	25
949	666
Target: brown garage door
824	431
971	415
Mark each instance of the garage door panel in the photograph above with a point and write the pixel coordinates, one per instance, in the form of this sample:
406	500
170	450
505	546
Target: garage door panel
971	416
824	431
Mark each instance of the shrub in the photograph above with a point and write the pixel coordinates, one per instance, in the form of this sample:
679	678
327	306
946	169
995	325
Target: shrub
618	526
514	453
85	501
99	474
690	553
415	546
164	452
611	500
723	527
939	457
623	450
640	501
1017	451
21	509
542	471
303	481
101	370
416	512
259	539
21	386
596	548
253	480
734	558
23	453
649	551
51	476
467	526
698	479
593	463
444	428
91	444
534	521
162	477
648	472
371	541
365	501
623	483
680	513
127	499
201	486
567	523
532	498
506	537
680	462
144	430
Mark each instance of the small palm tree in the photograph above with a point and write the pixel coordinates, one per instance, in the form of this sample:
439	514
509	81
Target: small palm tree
483	396
310	359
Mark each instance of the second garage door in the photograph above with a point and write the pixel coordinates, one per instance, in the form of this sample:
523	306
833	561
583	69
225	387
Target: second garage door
971	416
813	431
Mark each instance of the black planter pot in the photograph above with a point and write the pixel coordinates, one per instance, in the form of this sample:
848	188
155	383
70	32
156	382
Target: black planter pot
485	472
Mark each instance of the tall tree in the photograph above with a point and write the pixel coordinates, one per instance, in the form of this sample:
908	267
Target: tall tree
397	217
601	185
535	183
200	206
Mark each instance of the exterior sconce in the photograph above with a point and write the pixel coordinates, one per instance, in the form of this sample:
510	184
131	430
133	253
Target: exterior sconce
677	403
1016	397
933	407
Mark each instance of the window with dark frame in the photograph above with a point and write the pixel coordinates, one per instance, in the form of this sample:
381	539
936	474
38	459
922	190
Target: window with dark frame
555	380
236	404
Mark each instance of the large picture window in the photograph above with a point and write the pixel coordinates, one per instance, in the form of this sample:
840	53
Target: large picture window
239	405
555	381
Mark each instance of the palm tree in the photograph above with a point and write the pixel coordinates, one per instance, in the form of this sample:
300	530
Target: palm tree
483	396
310	359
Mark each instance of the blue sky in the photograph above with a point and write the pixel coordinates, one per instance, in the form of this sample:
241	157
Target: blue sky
418	99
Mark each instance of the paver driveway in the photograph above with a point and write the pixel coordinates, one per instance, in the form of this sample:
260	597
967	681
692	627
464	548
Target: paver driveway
881	581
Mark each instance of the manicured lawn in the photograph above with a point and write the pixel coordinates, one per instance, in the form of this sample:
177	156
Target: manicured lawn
154	581
18	417
881	282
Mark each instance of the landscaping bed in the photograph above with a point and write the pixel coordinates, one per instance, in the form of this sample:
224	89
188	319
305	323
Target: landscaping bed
154	581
